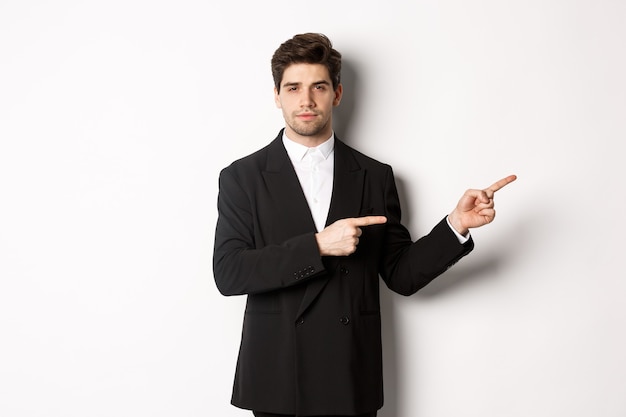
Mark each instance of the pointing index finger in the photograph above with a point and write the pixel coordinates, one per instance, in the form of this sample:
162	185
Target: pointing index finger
499	184
369	220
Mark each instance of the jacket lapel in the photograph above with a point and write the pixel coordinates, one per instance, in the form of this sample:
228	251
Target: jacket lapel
347	185
285	192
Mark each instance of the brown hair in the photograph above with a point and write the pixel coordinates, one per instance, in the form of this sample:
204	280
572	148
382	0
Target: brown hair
307	48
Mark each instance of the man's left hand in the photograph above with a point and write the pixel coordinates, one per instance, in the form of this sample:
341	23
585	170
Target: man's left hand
476	207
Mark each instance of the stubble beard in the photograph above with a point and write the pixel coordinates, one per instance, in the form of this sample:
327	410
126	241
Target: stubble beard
308	129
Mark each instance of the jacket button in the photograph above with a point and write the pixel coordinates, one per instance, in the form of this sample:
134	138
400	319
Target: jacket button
300	321
343	270
344	320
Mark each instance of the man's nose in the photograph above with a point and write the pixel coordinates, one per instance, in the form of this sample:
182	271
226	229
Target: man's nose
306	100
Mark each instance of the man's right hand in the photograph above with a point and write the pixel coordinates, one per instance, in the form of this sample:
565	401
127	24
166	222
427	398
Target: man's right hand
342	237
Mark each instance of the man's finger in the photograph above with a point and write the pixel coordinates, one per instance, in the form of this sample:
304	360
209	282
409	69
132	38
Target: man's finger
368	220
504	181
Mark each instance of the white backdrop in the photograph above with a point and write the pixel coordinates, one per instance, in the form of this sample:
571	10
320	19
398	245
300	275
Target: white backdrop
116	117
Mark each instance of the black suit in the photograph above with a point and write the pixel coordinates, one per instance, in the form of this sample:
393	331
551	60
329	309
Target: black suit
311	341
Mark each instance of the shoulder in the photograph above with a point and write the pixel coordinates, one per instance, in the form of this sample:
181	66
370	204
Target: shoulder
258	160
342	150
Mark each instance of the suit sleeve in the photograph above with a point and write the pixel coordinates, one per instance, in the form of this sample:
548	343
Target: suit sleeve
241	264
408	266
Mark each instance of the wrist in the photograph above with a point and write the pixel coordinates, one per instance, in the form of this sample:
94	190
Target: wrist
456	223
320	244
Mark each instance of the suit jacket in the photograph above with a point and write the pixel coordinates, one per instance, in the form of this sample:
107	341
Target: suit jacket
311	339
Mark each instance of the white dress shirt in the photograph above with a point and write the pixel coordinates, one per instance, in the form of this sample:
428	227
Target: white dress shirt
315	168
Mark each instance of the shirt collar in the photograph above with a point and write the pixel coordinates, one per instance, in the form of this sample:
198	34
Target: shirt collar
297	151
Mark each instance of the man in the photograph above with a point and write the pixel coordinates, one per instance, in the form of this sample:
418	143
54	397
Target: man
306	226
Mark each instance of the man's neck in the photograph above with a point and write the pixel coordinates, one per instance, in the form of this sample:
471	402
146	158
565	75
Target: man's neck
308	141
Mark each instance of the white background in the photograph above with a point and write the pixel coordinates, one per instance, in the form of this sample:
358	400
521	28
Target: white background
116	117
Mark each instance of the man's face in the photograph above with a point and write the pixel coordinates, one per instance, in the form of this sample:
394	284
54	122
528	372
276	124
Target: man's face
307	99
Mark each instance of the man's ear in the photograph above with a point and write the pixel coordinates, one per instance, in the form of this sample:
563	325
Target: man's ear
277	98
338	95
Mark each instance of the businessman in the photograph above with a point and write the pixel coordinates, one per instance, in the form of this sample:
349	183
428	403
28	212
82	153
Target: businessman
306	227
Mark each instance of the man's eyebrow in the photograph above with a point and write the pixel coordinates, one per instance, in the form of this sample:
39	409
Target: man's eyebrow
296	83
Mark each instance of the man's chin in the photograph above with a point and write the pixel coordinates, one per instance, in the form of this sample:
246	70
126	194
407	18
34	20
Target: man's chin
308	130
